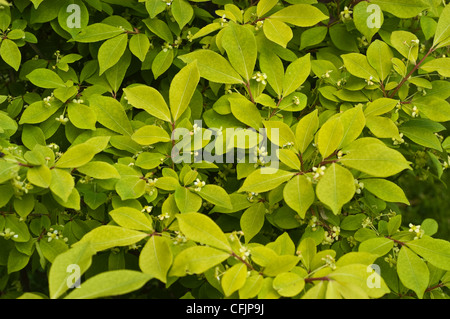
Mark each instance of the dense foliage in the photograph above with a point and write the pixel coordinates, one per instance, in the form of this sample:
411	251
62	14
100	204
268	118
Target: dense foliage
215	149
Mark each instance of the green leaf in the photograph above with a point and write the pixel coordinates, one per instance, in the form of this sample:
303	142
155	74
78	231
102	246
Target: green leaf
280	264
150	134
215	195
358	277
279	133
307	248
155	7
160	28
76	156
442	66
430	226
385	190
272	66
149	99
196	260
213	67
394	224
110	283
306	130
246	112
97	32
265	6
182	89
289	158
66	16
404	43
209	28
99	170
38	112
16	261
234	278
130	187
111	51
203	229
412	271
265	179
403	9
288	284
182	12
382	127
299	194
380	106
81	116
252	220
296	74
366	20
433	108
40	176
379	56
377	160
162	62
148	160
352	222
240	45
46	79
336	187
443	28
167	183
330	136
131	218
10	53
187	201
377	246
313	36
278	32
60	271
156	258
435	251
422	136
61	183
139	45
357	65
111	114
301	15
252	287
108	236
19	227
353	122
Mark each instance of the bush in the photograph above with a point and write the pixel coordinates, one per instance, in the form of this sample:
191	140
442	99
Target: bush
212	149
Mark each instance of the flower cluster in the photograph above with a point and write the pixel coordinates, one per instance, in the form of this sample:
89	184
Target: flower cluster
397	141
7	234
330	261
48	100
54	234
150	186
62	119
332	235
260	77
418	232
198	185
179	238
318	172
346	14
20	186
251	196
359	186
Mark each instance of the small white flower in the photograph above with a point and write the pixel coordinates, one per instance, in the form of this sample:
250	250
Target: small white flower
147	209
319	171
260	77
